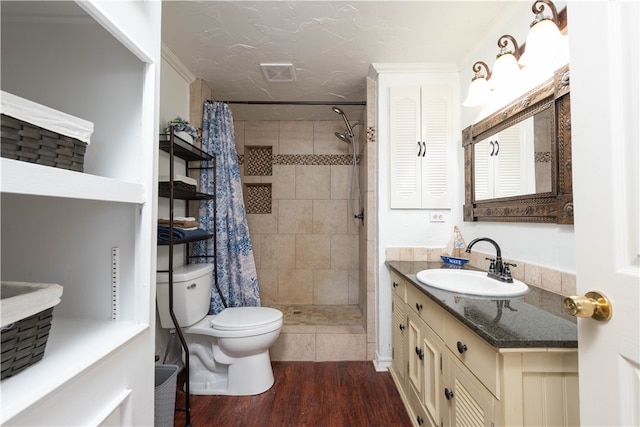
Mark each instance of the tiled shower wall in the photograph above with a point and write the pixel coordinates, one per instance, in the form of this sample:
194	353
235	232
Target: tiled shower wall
304	236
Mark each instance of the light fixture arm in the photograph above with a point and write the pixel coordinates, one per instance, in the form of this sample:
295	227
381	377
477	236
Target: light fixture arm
503	42
477	68
537	10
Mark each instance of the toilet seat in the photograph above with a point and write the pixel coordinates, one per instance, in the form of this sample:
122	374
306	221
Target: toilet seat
243	318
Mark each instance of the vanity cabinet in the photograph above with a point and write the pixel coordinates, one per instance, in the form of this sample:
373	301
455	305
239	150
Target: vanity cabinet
93	232
452	377
421	131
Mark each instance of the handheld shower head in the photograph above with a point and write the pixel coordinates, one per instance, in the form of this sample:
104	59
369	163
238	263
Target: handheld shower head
343	137
349	130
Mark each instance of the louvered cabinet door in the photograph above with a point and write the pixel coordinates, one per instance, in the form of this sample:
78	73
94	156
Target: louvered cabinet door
469	403
437	137
421	127
406	147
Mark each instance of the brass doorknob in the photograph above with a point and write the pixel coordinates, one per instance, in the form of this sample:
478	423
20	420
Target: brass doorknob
592	304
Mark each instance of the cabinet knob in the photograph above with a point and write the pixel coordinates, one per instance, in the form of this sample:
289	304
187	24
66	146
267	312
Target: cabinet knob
401	327
448	394
395	284
461	347
418	306
420	353
420	420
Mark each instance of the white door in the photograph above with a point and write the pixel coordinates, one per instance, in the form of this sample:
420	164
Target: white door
604	46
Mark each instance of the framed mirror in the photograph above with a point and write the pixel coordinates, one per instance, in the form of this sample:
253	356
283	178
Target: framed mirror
518	160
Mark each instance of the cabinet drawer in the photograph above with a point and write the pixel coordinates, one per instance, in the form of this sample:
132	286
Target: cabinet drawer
474	353
427	309
399	286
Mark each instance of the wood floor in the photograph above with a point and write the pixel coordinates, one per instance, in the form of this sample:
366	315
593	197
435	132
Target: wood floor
310	394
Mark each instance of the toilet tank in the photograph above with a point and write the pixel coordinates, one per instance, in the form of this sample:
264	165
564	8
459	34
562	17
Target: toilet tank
191	294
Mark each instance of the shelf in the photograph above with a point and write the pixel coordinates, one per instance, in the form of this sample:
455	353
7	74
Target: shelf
182	148
36	180
186	240
182	194
73	346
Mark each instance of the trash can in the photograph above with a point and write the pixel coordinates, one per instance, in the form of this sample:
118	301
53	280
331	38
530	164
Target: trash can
165	394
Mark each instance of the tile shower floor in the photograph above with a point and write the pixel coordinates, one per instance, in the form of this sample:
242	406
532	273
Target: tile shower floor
321	315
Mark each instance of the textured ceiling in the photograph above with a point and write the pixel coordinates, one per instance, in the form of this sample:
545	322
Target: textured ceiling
331	45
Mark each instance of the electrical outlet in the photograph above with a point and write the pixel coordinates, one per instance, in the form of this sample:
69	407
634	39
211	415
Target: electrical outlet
437	216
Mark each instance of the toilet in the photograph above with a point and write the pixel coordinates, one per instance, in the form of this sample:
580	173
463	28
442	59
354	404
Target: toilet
229	351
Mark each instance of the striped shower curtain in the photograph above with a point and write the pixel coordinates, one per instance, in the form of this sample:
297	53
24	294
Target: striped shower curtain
236	270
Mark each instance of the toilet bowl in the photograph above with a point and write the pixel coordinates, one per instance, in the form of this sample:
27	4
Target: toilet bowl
229	351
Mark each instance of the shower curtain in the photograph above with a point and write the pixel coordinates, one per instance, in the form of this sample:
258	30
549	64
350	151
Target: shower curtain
236	270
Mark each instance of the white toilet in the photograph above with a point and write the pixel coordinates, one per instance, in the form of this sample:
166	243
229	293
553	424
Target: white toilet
229	351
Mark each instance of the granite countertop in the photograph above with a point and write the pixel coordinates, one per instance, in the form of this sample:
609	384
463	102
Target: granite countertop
535	320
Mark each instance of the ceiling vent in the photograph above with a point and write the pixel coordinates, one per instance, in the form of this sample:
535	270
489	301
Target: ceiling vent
278	73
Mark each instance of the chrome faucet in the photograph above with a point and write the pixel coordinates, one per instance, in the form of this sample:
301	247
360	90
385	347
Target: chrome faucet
497	269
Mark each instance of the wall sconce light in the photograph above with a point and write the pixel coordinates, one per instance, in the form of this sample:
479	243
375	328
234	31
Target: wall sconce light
506	68
546	49
545	46
479	89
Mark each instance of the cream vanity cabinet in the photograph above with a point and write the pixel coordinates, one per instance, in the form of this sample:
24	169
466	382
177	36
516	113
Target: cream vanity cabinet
447	375
421	123
91	232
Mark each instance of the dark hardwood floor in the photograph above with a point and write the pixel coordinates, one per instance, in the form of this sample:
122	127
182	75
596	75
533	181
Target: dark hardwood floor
310	394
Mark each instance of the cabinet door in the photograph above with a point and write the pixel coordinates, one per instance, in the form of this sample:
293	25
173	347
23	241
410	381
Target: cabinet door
432	396
414	329
399	339
406	145
437	137
421	145
470	403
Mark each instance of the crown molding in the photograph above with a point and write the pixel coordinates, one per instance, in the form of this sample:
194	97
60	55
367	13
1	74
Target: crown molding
176	64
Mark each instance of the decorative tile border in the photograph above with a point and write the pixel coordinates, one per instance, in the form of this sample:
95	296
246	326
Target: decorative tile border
542	156
308	159
371	134
313	159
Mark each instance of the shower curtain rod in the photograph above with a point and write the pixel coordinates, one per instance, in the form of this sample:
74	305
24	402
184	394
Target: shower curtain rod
361	103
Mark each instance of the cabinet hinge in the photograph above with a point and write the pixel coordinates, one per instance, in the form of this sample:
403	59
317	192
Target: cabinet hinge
440	363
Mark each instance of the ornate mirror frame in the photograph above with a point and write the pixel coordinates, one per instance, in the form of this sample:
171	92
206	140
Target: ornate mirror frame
555	206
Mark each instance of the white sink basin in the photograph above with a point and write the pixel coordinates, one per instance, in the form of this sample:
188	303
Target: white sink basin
471	283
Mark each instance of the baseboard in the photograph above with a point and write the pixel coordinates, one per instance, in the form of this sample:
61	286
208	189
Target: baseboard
381	363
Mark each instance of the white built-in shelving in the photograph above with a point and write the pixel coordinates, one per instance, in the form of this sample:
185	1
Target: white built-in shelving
91	232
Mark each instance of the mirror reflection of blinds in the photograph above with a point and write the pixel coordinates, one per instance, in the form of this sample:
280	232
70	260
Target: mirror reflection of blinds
508	168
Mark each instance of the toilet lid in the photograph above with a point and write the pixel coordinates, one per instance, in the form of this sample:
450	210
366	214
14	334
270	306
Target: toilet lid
235	318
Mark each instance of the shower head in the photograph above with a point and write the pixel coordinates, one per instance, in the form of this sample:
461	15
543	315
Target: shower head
338	111
343	137
349	130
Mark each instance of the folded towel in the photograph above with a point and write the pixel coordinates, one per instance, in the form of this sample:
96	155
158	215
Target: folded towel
180	223
177	218
179	233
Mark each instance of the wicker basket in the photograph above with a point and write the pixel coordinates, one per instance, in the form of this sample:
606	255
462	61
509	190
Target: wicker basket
26	311
24	141
24	342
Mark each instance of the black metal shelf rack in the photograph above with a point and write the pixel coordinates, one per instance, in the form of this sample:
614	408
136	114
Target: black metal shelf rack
178	147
